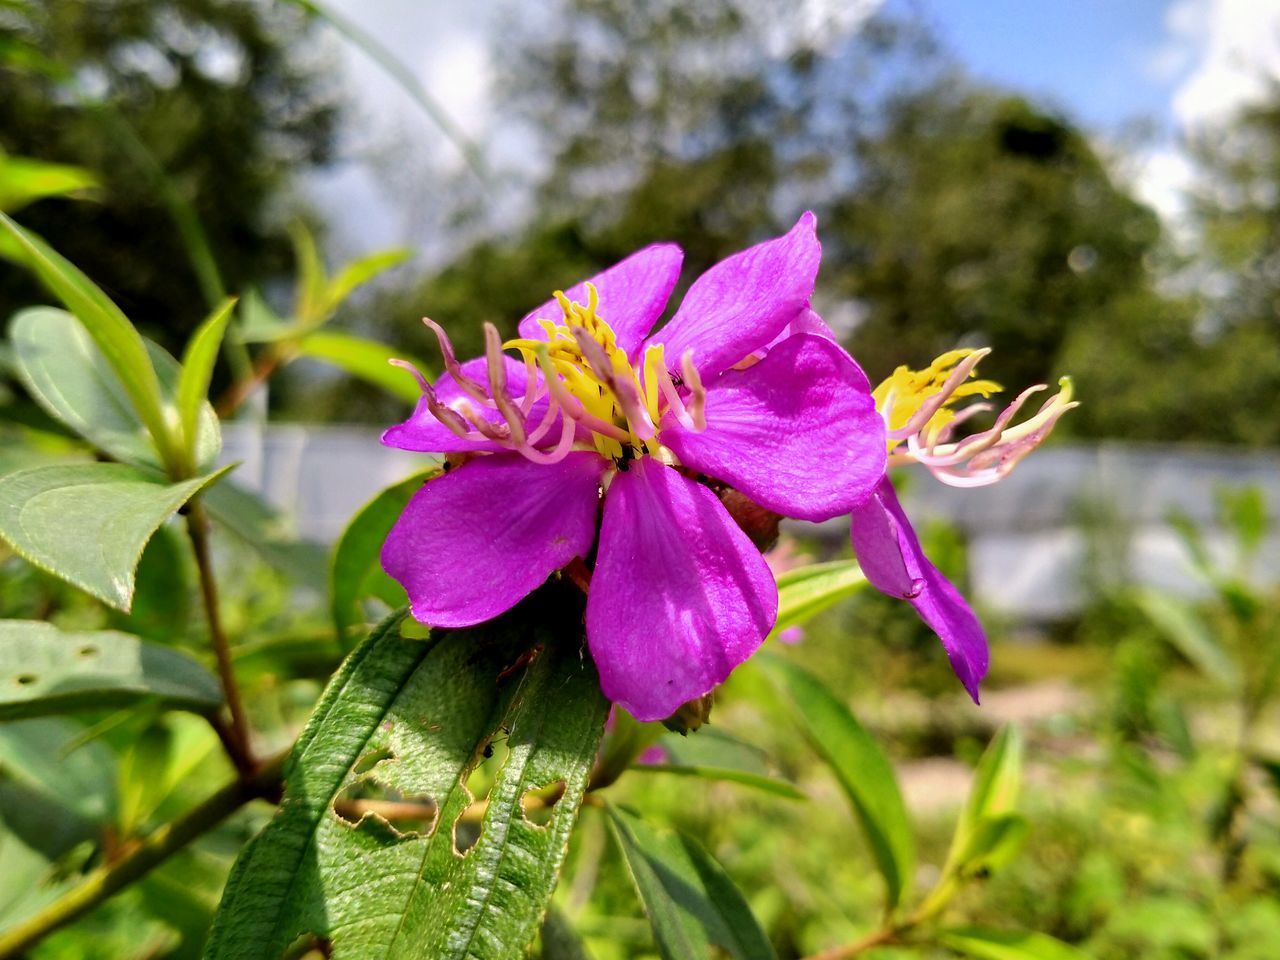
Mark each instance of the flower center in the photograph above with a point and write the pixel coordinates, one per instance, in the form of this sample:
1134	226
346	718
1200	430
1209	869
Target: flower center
596	383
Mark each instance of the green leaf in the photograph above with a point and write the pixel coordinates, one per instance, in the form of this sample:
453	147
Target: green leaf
767	784
24	180
994	842
413	720
861	767
359	272
366	359
111	330
691	902
197	372
313	284
88	522
986	943
69	377
44	671
1186	631
357	571
807	591
996	785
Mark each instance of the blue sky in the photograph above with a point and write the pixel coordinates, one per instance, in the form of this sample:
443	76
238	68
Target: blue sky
1103	60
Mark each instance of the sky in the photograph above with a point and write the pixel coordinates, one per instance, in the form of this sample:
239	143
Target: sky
1172	66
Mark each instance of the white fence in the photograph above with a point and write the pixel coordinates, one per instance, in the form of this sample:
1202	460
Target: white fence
1030	555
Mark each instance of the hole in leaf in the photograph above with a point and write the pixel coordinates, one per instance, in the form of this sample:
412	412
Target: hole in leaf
367	803
371	759
25	679
88	650
537	803
308	946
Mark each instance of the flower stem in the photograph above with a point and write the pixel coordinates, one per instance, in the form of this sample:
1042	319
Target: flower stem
877	938
141	857
235	739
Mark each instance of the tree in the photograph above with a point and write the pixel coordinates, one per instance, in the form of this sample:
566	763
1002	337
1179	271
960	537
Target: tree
979	217
200	106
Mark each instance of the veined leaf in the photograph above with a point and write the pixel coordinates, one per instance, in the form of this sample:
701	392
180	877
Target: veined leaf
45	671
88	522
111	330
197	371
986	943
413	720
356	571
807	591
862	769
366	359
691	902
69	377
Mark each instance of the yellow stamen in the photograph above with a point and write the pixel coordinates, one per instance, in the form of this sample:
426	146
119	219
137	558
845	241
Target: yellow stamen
596	389
905	391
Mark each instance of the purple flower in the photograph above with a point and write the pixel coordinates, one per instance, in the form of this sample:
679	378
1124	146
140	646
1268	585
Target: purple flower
601	423
918	409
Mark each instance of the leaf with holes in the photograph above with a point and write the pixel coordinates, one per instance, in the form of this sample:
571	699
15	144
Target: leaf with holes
357	572
44	671
379	848
691	902
88	522
66	374
863	770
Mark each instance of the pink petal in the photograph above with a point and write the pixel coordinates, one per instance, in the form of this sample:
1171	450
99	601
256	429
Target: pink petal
679	596
744	301
890	554
475	541
797	432
633	293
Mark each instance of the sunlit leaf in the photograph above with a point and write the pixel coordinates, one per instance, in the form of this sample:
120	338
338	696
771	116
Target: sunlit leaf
692	904
366	359
986	943
66	373
359	272
860	766
197	371
806	591
88	522
410	721
111	330
24	180
44	671
994	793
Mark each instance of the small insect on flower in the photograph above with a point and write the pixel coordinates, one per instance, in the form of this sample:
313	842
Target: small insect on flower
598	426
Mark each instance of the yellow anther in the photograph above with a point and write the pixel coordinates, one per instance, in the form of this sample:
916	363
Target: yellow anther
905	391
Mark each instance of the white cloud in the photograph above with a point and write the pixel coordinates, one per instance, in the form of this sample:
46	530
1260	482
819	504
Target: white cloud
1237	49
